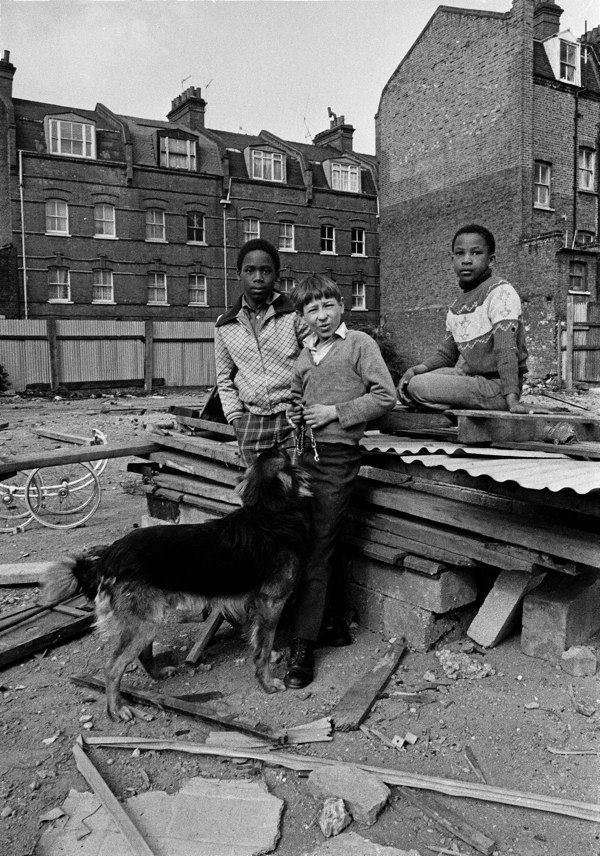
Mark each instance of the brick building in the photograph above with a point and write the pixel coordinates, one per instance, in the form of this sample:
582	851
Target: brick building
124	218
493	118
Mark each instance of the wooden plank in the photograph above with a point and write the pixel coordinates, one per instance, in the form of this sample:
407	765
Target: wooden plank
355	704
196	487
23	573
589	451
197	466
206	425
135	839
570	341
53	353
449	820
423	566
481	426
44	636
401	419
202	447
202	711
307	763
64	438
381	552
211	626
219	508
534	534
495	617
70	456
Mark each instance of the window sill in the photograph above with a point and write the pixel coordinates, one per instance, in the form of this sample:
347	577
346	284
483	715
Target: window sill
196	243
156	241
543	208
106	237
286	250
104	302
358	256
59	234
358	309
587	192
328	253
59	300
204	305
157	303
79	157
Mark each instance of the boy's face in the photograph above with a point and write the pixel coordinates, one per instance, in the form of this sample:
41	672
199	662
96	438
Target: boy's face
323	316
258	277
470	257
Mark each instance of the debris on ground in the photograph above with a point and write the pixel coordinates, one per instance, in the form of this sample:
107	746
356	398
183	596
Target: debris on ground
579	660
334	817
457	666
351	844
364	794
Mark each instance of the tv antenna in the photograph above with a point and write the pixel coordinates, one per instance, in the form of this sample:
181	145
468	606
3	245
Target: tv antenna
184	80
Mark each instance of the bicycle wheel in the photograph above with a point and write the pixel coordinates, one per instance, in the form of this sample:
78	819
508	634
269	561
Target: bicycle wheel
15	513
62	497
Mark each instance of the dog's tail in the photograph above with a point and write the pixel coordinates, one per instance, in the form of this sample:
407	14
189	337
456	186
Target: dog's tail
63	579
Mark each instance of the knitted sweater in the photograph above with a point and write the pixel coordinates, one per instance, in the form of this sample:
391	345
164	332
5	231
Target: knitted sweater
484	332
353	376
254	369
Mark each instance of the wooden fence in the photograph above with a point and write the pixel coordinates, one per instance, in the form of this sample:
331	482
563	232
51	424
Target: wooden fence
579	341
57	353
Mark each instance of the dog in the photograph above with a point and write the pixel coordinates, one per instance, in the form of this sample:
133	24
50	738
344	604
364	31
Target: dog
247	563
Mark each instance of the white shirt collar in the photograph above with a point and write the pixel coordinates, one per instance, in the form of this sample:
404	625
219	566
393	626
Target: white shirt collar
312	341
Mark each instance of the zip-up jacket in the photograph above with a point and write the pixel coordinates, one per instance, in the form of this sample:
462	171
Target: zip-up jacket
254	368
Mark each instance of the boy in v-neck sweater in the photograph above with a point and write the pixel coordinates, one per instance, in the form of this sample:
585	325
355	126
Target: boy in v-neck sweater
339	383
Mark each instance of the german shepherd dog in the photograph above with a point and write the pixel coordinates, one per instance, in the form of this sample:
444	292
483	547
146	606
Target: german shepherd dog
247	563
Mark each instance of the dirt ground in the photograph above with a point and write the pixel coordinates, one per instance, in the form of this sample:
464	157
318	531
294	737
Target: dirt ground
509	719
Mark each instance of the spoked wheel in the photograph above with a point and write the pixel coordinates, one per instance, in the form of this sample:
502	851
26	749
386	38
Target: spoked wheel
15	513
63	496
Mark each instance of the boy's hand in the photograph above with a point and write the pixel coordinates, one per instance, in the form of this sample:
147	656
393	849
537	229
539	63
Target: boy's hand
514	405
318	415
405	380
294	415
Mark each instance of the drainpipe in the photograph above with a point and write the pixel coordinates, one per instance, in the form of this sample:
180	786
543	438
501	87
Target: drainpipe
25	300
575	163
225	202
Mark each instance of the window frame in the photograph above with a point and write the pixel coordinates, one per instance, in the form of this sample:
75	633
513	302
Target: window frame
326	239
196	277
154	225
248	232
191	154
155	274
587	169
284	227
103	300
105	235
539	184
260	158
58	138
63	232
359	291
590	237
355	242
578	281
564	64
352	175
195	227
286	279
53	268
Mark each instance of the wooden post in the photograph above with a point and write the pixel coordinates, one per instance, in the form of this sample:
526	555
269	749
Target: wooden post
148	355
55	374
569	342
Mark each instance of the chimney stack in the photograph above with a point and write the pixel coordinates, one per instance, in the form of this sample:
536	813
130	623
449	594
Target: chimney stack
7	73
546	19
339	134
188	109
592	37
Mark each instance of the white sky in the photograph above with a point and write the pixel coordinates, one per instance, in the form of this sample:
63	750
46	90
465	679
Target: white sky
272	64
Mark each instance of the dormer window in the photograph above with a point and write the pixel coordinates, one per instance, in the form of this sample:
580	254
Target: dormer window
73	139
346	177
268	166
569	54
178	154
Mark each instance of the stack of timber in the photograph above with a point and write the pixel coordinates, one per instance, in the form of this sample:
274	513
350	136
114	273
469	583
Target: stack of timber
444	535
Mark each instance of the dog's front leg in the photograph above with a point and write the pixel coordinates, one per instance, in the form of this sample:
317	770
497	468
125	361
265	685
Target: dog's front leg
265	616
132	642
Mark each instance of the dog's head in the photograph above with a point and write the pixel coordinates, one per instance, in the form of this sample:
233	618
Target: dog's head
272	478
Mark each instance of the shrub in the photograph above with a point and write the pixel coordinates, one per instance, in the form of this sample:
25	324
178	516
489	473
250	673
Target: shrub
4	384
395	362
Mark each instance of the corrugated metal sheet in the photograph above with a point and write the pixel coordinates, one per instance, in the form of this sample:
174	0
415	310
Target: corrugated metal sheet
402	445
26	360
183	363
534	474
172	330
102	350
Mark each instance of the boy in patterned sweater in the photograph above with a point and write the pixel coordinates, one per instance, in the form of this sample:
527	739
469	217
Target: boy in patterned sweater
340	382
481	363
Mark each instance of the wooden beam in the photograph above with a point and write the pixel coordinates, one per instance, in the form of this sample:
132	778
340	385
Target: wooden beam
495	617
206	425
197	466
202	447
303	763
449	820
401	419
70	456
23	573
135	839
196	487
487	426
570	341
355	704
210	628
53	352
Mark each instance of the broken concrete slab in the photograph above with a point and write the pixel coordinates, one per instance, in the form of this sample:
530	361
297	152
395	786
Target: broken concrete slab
498	612
364	794
23	573
579	661
206	817
334	817
351	844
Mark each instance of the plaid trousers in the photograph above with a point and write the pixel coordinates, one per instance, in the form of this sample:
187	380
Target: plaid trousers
256	433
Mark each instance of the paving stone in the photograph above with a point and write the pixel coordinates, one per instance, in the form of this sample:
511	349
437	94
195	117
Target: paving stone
439	594
351	844
562	612
364	794
206	817
579	661
334	817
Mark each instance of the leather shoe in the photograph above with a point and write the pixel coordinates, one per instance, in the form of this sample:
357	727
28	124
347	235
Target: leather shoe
334	634
301	665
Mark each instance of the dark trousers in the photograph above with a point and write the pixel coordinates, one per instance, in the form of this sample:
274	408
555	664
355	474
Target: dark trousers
332	480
